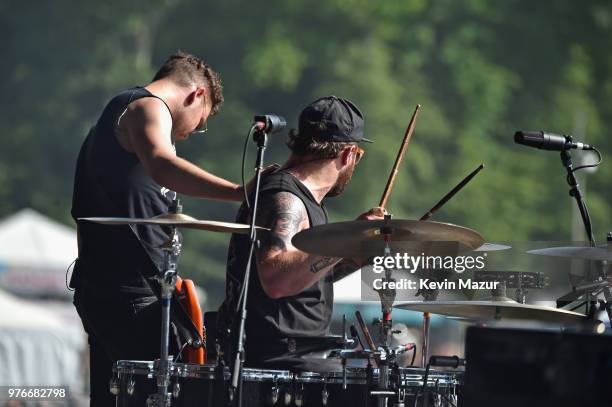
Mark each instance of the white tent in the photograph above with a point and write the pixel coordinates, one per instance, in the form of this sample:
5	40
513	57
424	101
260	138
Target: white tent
38	347
35	252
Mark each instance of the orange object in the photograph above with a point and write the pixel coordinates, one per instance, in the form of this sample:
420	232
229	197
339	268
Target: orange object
187	296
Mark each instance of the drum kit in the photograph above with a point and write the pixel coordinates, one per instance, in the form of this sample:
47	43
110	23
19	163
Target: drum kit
383	381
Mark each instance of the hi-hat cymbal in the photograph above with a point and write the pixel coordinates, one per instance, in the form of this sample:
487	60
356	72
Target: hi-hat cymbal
487	310
600	253
179	220
364	238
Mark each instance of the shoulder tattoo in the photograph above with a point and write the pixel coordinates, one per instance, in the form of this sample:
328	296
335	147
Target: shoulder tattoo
285	214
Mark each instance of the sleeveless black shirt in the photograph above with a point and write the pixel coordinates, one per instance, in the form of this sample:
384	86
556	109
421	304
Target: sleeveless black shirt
307	314
110	181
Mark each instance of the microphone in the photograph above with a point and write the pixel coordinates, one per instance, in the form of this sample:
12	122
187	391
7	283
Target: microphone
269	123
548	141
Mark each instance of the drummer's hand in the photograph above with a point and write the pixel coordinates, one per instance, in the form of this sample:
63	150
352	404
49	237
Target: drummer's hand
376	213
250	186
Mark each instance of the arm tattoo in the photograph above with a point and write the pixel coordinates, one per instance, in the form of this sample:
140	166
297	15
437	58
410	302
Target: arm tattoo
322	263
283	213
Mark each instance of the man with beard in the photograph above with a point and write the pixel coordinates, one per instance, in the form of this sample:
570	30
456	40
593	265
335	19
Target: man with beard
290	296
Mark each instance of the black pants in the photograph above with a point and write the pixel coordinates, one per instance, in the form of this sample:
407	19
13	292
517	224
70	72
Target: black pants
120	327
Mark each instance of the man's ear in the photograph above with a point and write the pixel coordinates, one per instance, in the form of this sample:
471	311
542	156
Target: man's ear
346	155
195	94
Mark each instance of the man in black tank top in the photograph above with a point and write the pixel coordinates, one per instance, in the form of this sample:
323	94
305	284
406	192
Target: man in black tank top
127	167
290	296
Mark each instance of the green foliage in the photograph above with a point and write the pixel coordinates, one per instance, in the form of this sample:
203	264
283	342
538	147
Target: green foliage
481	69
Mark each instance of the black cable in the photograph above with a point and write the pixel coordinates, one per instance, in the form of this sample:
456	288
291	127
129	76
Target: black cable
246	197
590	165
244	154
67	271
414	351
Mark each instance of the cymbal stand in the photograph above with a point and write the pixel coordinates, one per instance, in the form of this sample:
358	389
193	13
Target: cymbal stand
575	192
167	280
387	298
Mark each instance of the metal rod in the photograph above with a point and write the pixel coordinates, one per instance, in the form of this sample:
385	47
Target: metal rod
167	281
398	159
425	351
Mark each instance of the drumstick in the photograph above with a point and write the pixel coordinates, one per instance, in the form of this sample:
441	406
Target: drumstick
366	332
449	195
400	156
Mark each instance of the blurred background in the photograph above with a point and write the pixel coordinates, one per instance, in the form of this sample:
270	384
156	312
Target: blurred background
481	69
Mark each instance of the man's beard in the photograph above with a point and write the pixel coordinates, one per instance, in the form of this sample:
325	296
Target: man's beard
344	177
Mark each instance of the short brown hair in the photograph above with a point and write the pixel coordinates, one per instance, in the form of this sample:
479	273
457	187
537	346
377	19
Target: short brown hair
305	145
187	69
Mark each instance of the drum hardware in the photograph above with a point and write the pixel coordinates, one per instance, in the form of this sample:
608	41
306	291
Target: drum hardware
167	281
176	390
425	349
598	278
287	397
400	398
298	398
131	387
324	394
274	395
518	280
441	361
114	387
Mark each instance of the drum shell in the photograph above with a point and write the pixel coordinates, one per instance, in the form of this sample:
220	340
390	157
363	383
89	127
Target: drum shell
204	385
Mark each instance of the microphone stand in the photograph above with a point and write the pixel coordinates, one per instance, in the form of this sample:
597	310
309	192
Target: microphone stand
575	192
261	138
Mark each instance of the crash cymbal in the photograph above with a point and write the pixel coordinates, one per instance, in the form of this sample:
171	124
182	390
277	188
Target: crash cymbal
364	238
601	253
486	310
179	220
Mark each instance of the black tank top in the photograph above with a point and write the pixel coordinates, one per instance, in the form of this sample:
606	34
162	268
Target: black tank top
307	314
110	181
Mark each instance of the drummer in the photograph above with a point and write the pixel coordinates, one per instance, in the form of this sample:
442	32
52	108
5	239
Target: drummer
290	296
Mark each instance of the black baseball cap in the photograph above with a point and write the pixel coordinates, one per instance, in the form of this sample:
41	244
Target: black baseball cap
334	119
